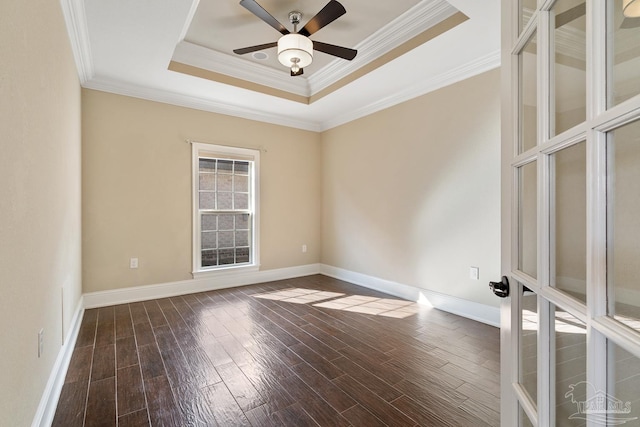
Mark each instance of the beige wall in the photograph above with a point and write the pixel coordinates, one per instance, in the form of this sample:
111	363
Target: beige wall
137	189
411	194
39	200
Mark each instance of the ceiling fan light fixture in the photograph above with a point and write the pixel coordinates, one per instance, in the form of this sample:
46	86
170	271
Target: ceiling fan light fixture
295	46
631	8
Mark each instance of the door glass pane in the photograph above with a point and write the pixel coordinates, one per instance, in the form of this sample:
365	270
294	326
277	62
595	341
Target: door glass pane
524	419
623	395
570	52
624	213
527	8
528	96
570	366
569	224
529	344
528	217
624	54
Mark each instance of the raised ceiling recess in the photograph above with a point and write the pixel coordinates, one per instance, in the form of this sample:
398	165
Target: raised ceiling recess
378	31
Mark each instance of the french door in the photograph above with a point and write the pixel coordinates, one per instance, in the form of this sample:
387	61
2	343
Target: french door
571	213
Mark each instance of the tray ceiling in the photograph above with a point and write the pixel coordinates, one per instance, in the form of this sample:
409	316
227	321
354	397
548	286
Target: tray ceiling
180	52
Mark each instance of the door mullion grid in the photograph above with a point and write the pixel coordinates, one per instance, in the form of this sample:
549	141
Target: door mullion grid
509	332
546	348
522	396
546	343
597	235
599	121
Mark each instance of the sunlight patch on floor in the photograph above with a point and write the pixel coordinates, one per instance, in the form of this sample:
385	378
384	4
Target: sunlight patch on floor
372	305
299	295
354	303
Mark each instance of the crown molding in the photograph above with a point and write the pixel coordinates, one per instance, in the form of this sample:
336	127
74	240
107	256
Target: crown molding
110	85
198	56
470	69
465	71
76	23
410	24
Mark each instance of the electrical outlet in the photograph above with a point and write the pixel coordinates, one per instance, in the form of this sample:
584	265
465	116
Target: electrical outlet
304	249
133	263
474	273
40	342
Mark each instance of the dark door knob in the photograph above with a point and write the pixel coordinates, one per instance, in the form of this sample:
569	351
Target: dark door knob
501	289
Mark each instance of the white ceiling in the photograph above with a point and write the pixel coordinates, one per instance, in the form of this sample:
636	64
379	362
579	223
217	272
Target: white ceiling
125	47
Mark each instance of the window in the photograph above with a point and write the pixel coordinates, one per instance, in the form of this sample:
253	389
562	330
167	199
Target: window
225	208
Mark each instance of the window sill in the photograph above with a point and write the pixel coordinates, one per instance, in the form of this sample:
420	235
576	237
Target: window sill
226	271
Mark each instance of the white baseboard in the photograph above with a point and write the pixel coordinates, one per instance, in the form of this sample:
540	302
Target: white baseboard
49	401
171	289
465	308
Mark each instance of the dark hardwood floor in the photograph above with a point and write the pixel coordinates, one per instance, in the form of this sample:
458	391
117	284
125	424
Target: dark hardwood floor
301	352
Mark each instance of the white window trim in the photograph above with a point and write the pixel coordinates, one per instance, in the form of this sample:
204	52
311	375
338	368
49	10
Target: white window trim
222	151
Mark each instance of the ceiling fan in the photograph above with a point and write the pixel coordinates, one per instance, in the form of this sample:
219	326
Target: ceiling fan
295	50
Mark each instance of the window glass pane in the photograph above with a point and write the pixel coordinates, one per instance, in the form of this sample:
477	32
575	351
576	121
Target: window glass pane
209	258
571	366
233	238
527	7
225	222
225	182
569	226
241	168
624	213
208	165
528	96
209	240
241	183
242	255
225	239
527	230
570	49
624	55
529	344
623	394
225	166
242	238
209	222
225	201
207	181
207	200
241	201
225	188
226	256
242	222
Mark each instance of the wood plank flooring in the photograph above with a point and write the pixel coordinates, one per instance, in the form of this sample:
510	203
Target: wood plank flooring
303	352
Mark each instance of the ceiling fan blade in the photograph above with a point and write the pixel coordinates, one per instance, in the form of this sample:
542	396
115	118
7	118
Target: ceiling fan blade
339	51
254	48
298	73
630	23
332	11
259	11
